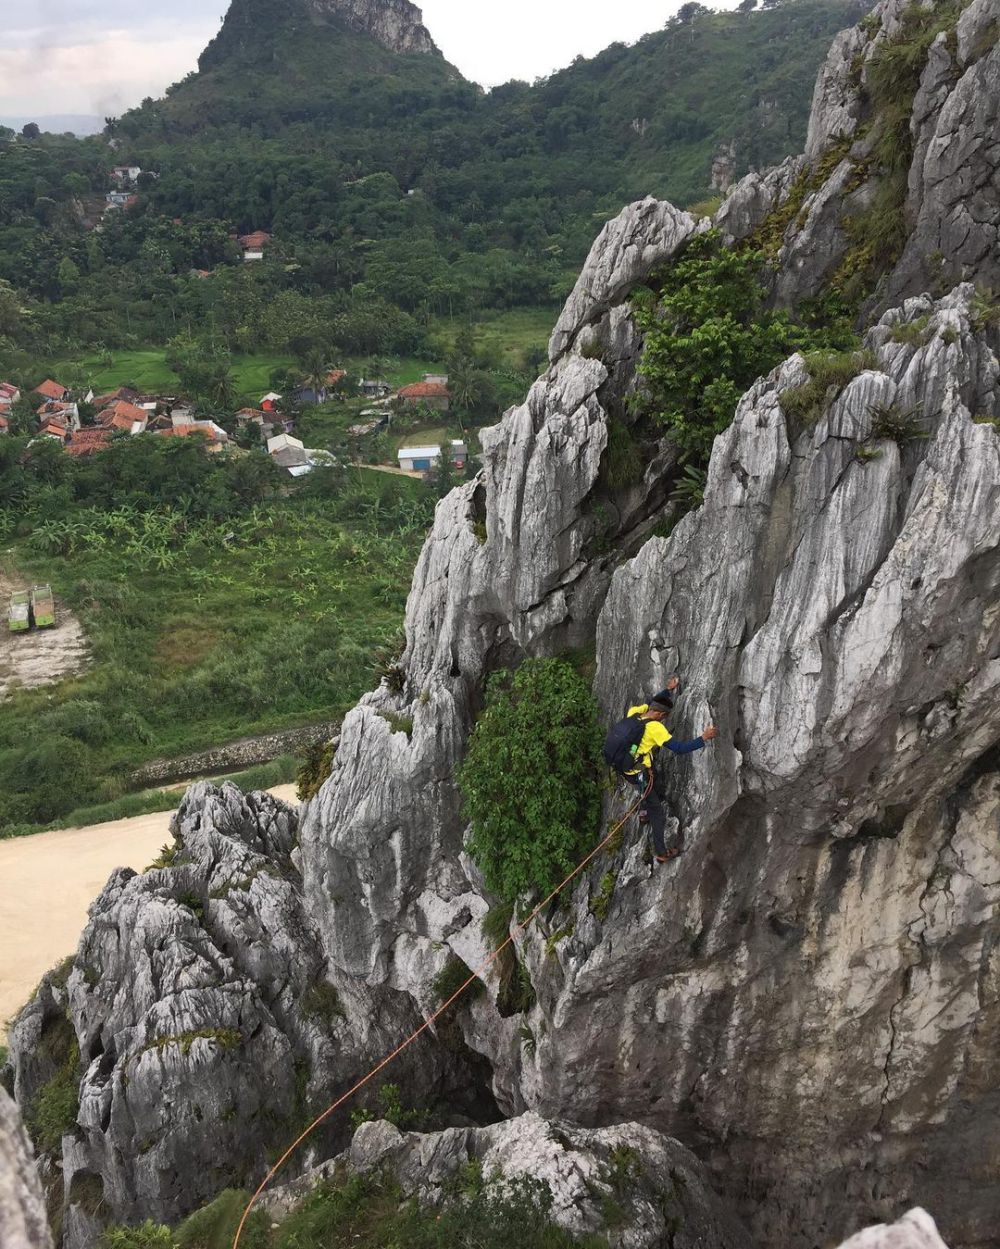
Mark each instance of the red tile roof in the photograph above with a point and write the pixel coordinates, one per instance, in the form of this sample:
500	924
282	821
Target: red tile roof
425	390
120	412
7	390
50	389
88	441
335	376
257	239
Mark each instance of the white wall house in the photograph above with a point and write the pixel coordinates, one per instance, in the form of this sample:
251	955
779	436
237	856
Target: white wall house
423	459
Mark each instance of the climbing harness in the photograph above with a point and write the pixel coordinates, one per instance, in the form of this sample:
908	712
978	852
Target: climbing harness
429	1023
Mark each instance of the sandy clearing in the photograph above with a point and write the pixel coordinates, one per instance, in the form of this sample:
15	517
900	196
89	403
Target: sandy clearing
47	883
42	656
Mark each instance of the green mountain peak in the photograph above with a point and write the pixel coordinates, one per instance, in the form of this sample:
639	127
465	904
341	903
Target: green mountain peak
250	25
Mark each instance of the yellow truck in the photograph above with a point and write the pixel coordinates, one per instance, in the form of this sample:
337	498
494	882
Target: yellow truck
18	615
43	608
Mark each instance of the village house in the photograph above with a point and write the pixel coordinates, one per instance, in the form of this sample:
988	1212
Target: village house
310	394
88	442
269	402
126	173
253	244
105	401
436	379
374	389
250	416
51	390
429	394
4	423
9	393
424	459
125	416
54	429
216	438
287	451
66	414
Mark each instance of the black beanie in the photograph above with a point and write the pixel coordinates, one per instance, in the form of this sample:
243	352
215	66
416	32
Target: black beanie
664	701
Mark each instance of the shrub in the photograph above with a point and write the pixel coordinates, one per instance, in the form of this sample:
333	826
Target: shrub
214	1226
896	423
532	779
830	372
452	976
912	333
622	464
55	1107
149	1236
709	337
314	770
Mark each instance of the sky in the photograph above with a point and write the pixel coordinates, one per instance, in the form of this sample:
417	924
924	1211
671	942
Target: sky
103	56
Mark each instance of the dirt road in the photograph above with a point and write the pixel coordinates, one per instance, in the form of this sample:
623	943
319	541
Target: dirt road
49	882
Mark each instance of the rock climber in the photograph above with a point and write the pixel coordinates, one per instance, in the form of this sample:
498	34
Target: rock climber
631	749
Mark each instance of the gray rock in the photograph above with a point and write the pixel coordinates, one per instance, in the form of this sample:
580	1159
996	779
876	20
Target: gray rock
659	1185
755	196
23	1224
915	1230
627	250
396	24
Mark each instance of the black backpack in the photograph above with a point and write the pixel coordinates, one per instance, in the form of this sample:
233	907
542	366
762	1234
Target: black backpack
622	742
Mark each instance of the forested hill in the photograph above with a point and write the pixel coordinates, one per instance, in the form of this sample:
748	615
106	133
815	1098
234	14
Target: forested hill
393	189
279	89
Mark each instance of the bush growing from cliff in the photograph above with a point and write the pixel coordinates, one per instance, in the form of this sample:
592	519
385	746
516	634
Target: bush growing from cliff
709	337
532	779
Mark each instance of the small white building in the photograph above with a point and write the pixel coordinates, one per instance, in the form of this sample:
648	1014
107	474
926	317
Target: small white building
287	451
419	459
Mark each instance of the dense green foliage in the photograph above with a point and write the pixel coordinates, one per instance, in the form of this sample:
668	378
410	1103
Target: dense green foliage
209	618
709	336
370	1212
393	188
532	777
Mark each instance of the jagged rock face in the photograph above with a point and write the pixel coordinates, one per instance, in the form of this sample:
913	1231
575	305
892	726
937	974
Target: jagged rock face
822	955
663	1194
206	1022
396	24
23	1224
952	204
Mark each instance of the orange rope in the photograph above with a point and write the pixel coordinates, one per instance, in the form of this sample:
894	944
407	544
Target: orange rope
428	1023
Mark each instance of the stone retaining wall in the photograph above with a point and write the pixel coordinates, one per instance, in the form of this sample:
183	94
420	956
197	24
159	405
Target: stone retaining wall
247	753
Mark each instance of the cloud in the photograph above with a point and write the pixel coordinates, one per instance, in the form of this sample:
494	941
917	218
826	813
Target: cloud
80	69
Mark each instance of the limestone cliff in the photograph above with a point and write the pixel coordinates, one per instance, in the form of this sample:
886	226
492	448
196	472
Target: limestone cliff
23	1224
809	999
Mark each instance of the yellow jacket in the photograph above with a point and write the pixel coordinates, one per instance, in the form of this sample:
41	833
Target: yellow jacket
655	737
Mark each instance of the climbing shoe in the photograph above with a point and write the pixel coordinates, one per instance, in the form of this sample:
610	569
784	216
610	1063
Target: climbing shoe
669	856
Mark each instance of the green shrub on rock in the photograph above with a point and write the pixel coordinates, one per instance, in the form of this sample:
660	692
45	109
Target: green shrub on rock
532	779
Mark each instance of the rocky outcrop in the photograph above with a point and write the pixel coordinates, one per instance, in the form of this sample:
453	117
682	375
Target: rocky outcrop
657	1187
950	204
396	24
207	1026
915	1230
641	237
23	1224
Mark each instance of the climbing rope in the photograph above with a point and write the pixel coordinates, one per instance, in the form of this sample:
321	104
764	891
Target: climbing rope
429	1023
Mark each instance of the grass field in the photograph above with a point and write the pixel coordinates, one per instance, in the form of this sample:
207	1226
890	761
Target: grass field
278	625
506	337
